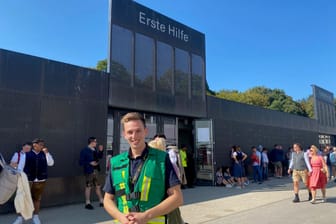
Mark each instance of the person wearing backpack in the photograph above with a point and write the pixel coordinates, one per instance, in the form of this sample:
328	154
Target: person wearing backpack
36	165
18	160
332	157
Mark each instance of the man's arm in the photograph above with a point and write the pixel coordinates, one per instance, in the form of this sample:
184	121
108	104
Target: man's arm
290	167
112	209
306	159
14	160
173	201
50	159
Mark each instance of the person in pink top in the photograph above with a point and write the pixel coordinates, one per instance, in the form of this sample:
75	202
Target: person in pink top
319	176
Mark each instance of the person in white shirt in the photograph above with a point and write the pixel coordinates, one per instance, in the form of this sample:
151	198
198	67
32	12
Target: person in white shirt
36	163
18	160
265	162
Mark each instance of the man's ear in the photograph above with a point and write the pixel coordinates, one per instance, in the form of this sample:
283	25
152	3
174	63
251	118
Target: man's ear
123	134
146	132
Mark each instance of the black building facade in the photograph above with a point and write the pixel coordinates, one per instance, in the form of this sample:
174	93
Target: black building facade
61	103
156	67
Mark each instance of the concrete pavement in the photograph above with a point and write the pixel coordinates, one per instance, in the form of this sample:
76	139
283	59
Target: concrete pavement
269	202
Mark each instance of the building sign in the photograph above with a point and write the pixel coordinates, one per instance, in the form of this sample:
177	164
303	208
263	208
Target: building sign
136	17
156	25
324	139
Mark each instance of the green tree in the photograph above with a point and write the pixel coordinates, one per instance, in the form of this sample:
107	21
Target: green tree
257	96
232	95
102	65
274	99
308	105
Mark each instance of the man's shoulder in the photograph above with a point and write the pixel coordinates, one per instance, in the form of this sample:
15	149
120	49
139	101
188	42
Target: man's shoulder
85	149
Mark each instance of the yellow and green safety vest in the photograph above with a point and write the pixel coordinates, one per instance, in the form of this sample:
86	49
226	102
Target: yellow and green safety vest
183	155
149	190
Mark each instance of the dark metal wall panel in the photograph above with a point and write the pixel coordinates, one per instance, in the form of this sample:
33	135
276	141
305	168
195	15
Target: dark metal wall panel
19	120
128	20
245	125
20	72
82	83
228	133
67	124
123	96
230	110
61	103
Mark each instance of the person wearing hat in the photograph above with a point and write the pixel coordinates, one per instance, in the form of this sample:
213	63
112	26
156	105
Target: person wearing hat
36	169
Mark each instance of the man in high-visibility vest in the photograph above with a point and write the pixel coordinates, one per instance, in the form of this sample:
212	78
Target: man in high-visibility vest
184	163
142	185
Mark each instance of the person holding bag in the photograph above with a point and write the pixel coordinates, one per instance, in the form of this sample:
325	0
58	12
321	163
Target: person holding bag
8	181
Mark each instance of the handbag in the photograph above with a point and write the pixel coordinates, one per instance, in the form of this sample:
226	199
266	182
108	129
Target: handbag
8	181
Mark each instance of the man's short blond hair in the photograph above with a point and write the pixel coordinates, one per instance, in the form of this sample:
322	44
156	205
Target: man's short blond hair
133	116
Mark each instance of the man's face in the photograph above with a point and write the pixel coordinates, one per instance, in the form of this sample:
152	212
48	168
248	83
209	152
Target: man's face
26	148
296	148
135	133
38	146
94	143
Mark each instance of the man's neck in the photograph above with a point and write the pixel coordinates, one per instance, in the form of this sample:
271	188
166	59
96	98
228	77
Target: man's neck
36	151
137	152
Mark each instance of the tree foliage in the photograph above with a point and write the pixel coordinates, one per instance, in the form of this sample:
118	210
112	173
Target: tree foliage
274	99
308	105
102	65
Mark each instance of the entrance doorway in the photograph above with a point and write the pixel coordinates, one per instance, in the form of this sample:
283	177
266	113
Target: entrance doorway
186	139
204	145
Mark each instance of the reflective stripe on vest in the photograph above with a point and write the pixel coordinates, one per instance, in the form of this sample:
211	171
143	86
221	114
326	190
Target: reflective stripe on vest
150	184
146	184
157	220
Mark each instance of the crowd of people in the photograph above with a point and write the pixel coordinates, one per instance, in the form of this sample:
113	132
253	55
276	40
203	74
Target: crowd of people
313	166
144	184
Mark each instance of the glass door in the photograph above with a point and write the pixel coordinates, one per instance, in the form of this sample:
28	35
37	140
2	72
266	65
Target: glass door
204	150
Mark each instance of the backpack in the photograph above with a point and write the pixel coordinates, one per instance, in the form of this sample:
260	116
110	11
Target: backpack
332	157
8	181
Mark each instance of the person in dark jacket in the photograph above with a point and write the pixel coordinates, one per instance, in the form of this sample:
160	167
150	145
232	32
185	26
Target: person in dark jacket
89	159
36	168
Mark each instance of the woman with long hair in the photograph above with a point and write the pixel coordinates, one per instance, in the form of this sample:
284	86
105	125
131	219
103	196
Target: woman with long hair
319	176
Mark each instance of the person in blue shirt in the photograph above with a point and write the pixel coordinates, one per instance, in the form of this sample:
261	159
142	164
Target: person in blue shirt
89	159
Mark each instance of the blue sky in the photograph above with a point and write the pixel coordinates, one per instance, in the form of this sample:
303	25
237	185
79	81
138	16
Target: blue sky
285	44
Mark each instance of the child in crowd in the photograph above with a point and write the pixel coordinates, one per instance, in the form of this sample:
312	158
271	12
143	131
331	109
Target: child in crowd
228	177
220	181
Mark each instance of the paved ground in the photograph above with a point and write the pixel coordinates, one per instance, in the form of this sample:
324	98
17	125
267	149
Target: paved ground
269	202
